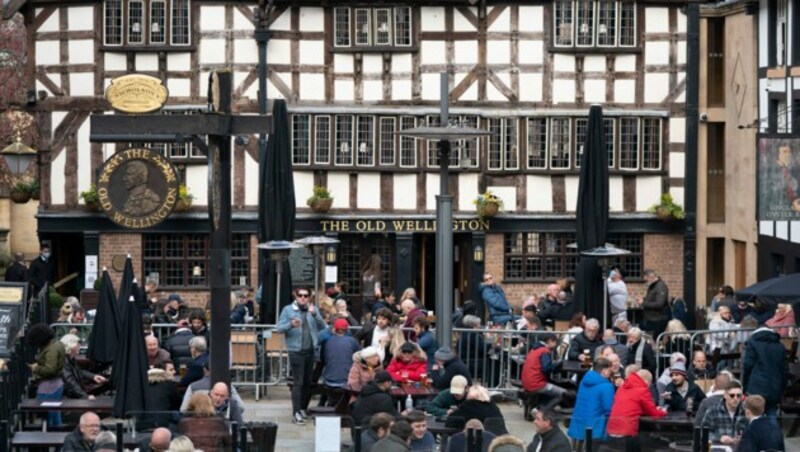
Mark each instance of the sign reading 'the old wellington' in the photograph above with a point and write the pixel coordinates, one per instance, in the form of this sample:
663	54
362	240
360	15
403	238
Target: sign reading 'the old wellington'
137	188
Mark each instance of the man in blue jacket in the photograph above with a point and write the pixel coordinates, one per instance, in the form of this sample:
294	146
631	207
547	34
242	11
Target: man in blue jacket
593	406
302	323
499	310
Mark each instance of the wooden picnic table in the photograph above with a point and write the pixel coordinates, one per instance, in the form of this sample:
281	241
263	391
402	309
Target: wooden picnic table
98	405
415	390
22	440
673	421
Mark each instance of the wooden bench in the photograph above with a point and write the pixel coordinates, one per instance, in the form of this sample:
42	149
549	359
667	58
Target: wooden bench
23	440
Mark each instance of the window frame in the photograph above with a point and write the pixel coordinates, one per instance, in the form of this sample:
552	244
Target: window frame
567	25
348	24
169	25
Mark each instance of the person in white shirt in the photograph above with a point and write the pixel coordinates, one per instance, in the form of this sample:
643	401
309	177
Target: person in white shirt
617	295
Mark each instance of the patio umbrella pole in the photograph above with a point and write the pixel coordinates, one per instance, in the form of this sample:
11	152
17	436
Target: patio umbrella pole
278	271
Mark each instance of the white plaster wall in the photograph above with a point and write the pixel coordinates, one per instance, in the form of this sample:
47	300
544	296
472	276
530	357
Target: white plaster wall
240	21
656	87
471	93
677	195
648	192
503	21
369	191
465	52
677	164
212	18
283	22
594	91
615	194
625	63
372	90
339	186
57	177
245	51
498	52
40	86
467	191
460	23
530	87
47	52
342	63
401	62
531	52
175	61
493	93
563	91
197	183
681	52
310	86
571	192
539	194
763	42
311	52
677	130
432	19
656	52
401	89
433	52
431	190
251	182
656	19
563	63
404	196
312	19
80	18
303	187
372	64
84	157
279	51
594	63
508	195
146	62
51	24
81	84
179	87
533	18
681	21
343	90
430	86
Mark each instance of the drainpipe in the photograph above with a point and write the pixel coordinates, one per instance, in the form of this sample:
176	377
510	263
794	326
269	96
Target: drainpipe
690	184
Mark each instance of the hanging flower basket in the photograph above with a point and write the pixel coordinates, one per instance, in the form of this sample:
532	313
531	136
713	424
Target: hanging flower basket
20	197
182	205
487	204
321	205
489	210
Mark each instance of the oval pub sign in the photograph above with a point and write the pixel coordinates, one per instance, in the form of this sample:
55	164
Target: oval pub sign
137	188
136	93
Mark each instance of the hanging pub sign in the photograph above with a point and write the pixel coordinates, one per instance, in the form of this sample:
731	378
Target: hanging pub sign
778	178
137	188
136	93
12	315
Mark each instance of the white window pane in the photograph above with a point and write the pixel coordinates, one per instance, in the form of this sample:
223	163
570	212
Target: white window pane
322	139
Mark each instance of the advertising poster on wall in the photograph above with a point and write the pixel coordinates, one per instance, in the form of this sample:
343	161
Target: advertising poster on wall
778	178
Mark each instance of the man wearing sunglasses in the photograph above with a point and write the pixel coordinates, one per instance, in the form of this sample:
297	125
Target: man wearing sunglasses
301	322
726	420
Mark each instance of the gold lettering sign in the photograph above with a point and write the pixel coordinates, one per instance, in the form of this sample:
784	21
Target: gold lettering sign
136	93
459	225
137	188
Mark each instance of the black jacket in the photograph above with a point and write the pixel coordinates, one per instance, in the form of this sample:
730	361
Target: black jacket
648	356
678	403
765	370
474	409
580	342
655	300
373	400
554	440
17	272
40	272
163	402
75	442
74	377
178	347
441	380
763	433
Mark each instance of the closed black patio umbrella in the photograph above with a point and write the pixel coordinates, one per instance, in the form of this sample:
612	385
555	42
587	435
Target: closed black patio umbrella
130	365
125	288
105	330
591	216
276	208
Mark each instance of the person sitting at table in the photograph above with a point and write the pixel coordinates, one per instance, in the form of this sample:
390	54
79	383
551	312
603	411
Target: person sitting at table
448	399
83	437
375	398
425	339
632	400
762	432
158	442
574	328
616	370
366	363
397	440
411	309
337	355
666	378
75	378
699	368
479	406
181	444
194	370
204	385
382	333
724	340
677	338
46	371
105	442
458	442
447	366
163	401
156	356
202	425
586	340
713	397
548	437
784	317
421	439
640	352
539	364
677	394
610	340
726	420
593	405
529	321
379	426
178	344
197	323
506	443
742	310
226	407
409	364
472	349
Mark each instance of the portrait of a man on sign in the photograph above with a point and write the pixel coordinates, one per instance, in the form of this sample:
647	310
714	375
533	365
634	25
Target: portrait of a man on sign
141	200
779	179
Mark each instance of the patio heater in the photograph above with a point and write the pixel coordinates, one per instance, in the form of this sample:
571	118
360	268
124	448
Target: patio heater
278	251
318	244
605	255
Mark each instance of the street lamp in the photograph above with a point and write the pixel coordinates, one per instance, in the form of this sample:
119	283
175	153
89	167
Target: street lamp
330	255
478	253
605	255
318	245
278	251
444	133
18	155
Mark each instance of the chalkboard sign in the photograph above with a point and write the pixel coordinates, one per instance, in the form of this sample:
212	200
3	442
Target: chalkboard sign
301	261
12	296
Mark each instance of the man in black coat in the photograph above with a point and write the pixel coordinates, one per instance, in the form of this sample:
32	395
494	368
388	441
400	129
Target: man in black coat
640	352
375	399
17	271
447	366
548	436
654	302
40	271
589	339
763	433
82	438
765	371
178	344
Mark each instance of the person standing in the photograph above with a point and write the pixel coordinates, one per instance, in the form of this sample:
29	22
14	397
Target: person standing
40	271
765	371
300	322
654	302
46	371
17	271
617	296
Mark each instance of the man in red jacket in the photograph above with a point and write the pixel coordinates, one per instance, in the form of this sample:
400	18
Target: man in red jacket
539	364
633	399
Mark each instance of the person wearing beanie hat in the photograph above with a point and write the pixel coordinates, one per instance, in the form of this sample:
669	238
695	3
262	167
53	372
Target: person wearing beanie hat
447	366
450	397
375	398
397	440
366	364
681	390
337	355
408	364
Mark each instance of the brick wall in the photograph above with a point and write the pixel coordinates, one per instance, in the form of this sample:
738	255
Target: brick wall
662	252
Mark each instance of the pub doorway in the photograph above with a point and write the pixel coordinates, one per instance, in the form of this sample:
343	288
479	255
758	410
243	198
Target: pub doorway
364	260
425	277
68	253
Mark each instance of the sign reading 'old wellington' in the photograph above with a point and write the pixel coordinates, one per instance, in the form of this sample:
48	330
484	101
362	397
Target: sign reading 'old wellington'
137	188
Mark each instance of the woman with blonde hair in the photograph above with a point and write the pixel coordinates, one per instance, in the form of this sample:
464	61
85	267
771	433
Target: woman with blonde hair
181	444
408	293
677	338
202	425
479	406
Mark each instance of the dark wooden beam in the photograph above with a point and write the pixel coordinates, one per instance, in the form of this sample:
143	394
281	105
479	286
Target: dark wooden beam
157	124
